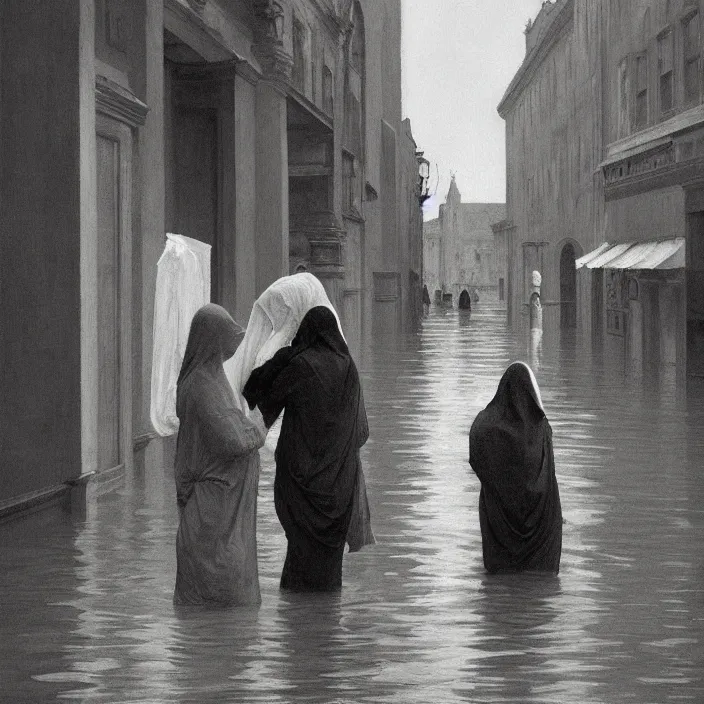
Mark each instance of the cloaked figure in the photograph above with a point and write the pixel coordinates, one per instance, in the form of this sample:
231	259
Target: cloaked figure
217	472
319	489
510	450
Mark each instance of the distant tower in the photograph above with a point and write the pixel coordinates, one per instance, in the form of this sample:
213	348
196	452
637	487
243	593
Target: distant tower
453	195
449	213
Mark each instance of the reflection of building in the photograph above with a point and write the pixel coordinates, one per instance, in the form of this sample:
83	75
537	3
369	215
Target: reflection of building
459	252
605	147
271	130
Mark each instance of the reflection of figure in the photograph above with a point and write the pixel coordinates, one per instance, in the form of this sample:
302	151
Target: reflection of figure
518	621
314	640
319	489
511	452
217	472
536	347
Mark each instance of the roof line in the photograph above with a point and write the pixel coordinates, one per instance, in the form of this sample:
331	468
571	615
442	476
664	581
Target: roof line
562	19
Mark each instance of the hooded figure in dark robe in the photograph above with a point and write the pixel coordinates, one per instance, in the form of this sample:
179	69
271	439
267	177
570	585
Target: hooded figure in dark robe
319	490
217	472
510	450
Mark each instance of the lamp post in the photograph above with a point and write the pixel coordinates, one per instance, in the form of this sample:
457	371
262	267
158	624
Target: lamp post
423	177
272	15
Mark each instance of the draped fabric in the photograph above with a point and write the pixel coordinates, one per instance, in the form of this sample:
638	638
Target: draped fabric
319	485
217	472
274	321
511	452
182	287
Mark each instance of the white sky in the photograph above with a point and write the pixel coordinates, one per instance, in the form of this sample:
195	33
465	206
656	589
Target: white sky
458	58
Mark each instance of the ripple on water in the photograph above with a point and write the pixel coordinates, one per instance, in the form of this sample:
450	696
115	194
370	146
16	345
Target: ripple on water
91	617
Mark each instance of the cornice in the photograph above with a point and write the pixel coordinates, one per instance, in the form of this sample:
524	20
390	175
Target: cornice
560	23
113	100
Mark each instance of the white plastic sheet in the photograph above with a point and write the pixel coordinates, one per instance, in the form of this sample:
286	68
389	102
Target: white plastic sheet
182	287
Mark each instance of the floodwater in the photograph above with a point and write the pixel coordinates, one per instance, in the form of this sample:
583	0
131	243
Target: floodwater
86	607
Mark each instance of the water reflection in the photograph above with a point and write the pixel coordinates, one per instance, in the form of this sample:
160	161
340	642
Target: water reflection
89	617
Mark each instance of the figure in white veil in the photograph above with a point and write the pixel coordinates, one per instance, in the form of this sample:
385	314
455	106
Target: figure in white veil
276	316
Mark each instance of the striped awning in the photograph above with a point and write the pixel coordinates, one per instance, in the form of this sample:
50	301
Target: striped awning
655	254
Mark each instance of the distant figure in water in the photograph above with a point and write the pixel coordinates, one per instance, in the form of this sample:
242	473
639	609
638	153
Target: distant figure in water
426	300
319	490
510	450
217	472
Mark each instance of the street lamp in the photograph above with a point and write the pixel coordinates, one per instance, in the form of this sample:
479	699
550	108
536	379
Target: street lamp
423	177
273	14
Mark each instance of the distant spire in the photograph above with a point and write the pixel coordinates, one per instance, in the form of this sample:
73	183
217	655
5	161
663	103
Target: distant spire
453	195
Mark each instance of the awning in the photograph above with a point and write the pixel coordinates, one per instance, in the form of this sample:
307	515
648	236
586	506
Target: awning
582	261
655	254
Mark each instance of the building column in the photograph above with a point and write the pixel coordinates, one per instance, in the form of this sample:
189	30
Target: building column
246	290
271	150
149	244
47	221
271	184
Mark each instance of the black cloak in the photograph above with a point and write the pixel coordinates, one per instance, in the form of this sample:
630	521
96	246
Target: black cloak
510	448
318	472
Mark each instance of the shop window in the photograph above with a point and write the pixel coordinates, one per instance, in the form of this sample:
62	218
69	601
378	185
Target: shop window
641	106
386	286
691	55
665	51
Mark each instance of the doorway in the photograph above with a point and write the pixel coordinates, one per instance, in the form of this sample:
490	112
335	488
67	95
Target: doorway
695	295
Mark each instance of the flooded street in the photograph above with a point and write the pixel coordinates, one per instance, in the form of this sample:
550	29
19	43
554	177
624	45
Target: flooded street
87	613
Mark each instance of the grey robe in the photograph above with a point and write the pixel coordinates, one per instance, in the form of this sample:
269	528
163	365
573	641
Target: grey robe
217	474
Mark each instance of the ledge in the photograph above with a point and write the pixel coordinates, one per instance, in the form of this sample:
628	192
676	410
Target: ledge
32	499
141	441
653	136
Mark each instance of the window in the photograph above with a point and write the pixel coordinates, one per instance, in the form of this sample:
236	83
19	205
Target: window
315	67
624	99
351	198
691	54
298	75
328	101
641	114
665	50
357	46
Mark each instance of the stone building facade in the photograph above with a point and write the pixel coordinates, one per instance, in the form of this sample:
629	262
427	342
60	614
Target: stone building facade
271	130
459	252
553	149
605	182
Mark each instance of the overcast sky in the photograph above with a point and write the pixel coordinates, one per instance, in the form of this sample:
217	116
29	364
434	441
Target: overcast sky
458	58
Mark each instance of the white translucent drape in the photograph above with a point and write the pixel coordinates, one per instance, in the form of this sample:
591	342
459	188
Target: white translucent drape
273	324
182	287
